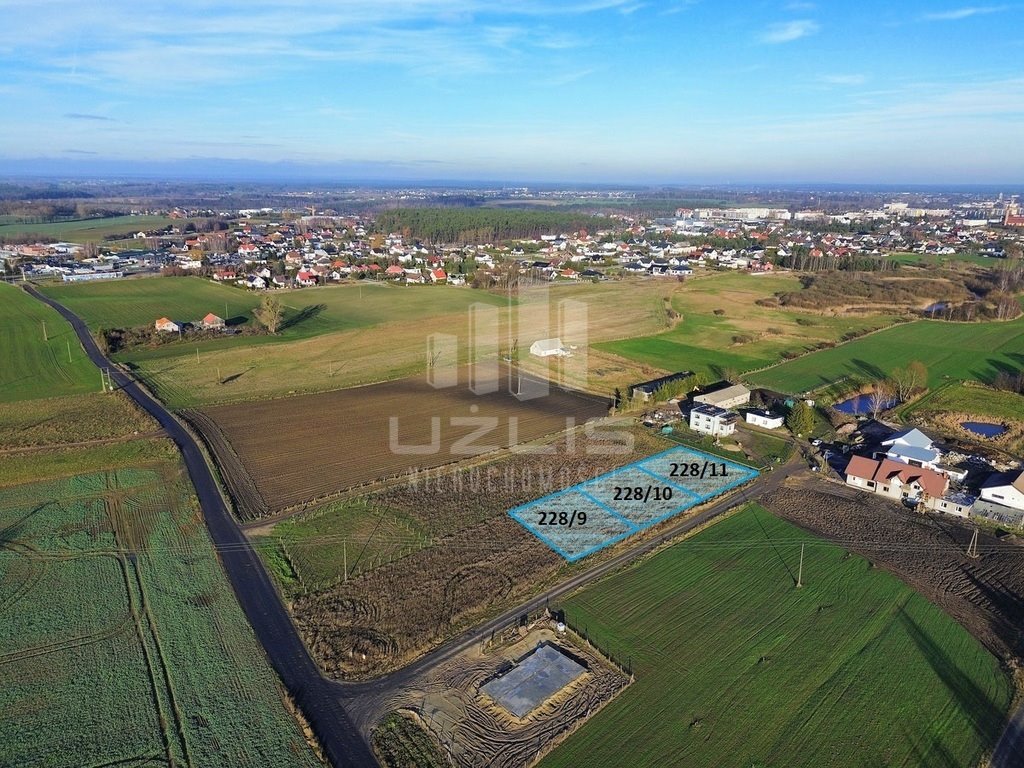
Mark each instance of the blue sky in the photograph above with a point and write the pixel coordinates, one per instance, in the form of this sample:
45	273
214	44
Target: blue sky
579	91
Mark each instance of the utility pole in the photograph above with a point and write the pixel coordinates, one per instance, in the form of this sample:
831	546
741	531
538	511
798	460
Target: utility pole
197	355
972	548
69	351
344	554
800	573
45	338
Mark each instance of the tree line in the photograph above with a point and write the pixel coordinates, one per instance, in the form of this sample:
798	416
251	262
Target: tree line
481	225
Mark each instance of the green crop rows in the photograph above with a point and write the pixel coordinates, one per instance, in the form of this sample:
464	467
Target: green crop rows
736	667
121	639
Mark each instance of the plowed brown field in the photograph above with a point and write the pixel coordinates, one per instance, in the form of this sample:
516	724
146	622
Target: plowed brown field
304	448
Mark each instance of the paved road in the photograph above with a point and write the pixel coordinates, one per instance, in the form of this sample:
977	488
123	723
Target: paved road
405	676
316	696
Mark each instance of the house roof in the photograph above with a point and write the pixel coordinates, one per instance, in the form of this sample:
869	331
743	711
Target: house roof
914	452
912	437
212	318
547	344
886	470
1003	479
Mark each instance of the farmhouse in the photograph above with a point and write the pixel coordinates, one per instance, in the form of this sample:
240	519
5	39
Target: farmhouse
711	420
645	390
724	395
548	348
163	324
764	419
212	321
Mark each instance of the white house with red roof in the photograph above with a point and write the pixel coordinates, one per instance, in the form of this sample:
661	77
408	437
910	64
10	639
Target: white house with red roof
438	275
212	321
904	482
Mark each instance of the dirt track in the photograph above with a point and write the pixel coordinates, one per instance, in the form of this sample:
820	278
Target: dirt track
928	552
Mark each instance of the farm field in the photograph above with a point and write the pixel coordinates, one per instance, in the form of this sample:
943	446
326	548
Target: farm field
736	667
307	447
90	230
744	336
122	641
442	554
55	420
354	334
19	467
976	351
34	366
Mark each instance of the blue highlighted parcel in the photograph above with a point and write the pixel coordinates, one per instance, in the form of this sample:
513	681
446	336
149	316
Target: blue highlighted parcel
580	520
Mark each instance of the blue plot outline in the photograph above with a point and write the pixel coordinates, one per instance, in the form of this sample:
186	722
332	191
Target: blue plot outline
516	513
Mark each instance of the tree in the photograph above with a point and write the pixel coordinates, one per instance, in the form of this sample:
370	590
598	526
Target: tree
906	381
800	419
270	313
880	398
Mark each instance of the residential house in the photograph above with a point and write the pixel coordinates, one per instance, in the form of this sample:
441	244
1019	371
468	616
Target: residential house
163	324
913	447
711	420
900	481
1006	488
764	419
438	275
212	321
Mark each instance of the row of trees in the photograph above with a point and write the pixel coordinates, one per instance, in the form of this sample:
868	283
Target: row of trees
482	225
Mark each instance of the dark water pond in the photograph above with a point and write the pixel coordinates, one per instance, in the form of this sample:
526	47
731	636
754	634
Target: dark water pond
861	404
983	429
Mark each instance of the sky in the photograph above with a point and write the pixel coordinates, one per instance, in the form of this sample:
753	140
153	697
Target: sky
577	91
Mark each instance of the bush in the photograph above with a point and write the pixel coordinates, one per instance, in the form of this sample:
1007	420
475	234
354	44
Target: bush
718	312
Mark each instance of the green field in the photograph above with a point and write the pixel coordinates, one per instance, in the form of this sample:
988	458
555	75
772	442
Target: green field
309	553
967	351
736	667
90	230
743	336
978	401
79	418
31	365
122	643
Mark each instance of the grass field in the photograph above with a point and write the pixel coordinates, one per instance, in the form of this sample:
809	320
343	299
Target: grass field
704	341
969	351
122	641
303	551
56	420
90	230
343	336
32	366
736	667
17	468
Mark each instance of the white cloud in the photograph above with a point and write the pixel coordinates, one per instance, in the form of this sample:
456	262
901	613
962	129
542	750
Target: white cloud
788	31
851	79
964	13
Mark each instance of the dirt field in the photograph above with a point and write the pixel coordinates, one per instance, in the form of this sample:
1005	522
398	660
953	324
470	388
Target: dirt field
476	561
448	704
305	448
985	595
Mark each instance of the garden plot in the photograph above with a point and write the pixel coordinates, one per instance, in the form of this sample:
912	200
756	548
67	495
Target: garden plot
585	518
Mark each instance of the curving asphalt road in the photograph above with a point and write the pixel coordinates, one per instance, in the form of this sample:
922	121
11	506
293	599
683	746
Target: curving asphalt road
315	696
319	698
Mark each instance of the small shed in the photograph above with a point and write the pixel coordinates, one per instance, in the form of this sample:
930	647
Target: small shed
548	348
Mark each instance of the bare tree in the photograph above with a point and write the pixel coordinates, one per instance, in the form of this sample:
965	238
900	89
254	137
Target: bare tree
880	398
270	313
906	381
